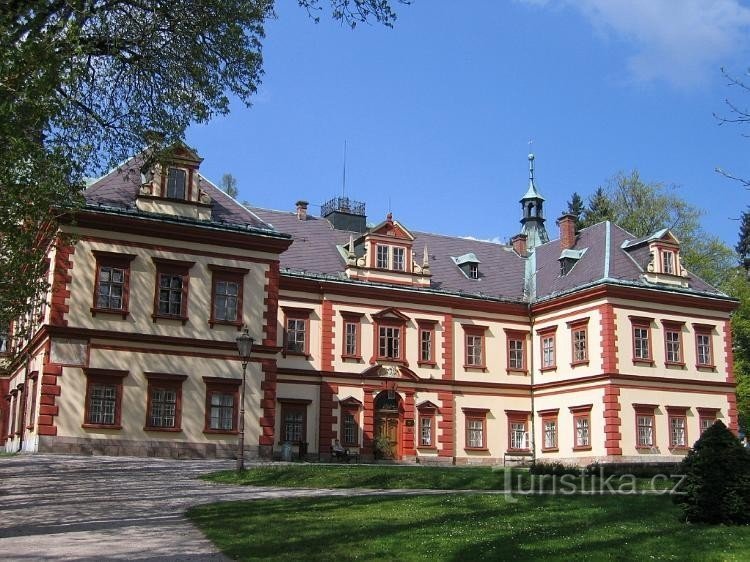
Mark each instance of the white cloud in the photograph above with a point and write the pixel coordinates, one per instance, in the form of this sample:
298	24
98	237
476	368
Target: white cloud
679	41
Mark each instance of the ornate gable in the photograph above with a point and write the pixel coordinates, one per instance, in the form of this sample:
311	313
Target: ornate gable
385	254
172	185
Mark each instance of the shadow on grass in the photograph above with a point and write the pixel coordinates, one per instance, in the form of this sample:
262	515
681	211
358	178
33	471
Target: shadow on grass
464	527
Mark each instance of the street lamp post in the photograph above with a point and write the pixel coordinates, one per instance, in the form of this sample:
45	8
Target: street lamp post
244	348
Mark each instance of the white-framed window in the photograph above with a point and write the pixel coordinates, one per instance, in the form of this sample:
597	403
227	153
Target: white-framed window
580	345
677	431
516	354
350	348
673	346
425	431
390	342
474	270
550	433
583	435
176	182
645	423
475	433
222	411
383	256
518	435
667	262
548	351
703	349
474	349
296	332
641	339
399	261
425	345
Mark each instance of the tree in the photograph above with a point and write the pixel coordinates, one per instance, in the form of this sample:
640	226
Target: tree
576	207
599	209
82	83
743	244
716	488
736	116
229	185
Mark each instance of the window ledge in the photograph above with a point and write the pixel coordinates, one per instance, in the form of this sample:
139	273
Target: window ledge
95	311
236	323
392	360
582	448
575	364
648	362
517	371
706	367
482	368
479	449
288	353
351	358
426	448
679	448
167	429
426	363
679	364
551	450
548	369
182	319
221	431
100	426
518	452
644	448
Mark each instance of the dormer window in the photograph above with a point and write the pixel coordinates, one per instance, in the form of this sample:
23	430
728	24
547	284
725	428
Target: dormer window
399	263
667	262
468	264
383	256
176	182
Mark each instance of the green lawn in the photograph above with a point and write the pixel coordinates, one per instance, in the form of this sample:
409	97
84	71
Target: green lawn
465	527
390	477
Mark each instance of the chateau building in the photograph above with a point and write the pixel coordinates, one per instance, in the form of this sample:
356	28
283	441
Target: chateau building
399	344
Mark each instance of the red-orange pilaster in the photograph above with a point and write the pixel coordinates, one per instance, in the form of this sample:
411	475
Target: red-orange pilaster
448	347
728	353
61	278
326	338
368	423
732	412
50	390
446	440
612	422
270	316
408	434
328	420
268	403
608	332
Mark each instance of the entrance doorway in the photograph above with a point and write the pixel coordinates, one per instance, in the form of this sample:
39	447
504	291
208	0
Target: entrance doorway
388	414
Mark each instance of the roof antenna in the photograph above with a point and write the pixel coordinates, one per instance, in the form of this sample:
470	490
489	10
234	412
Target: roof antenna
343	187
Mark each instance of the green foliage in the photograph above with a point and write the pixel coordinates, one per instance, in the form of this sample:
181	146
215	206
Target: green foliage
576	207
717	479
599	209
229	185
465	527
554	469
743	244
83	83
738	286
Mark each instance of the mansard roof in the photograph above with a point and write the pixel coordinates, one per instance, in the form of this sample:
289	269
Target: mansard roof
118	190
612	255
314	251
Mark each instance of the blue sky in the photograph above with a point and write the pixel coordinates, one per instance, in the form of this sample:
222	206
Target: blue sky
437	112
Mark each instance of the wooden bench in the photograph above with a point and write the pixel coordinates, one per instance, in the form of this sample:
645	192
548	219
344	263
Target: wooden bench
345	455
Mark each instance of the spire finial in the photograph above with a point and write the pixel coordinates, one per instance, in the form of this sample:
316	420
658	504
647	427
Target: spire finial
531	168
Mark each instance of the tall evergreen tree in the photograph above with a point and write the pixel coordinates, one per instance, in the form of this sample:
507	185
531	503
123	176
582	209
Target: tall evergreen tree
743	244
229	185
576	207
599	208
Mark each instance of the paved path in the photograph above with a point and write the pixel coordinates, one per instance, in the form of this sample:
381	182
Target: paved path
55	507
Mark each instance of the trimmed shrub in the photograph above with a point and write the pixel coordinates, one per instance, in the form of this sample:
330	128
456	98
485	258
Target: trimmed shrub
554	469
716	488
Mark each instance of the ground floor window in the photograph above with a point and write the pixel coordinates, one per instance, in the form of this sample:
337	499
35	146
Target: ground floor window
164	402
476	428
293	420
103	407
222	404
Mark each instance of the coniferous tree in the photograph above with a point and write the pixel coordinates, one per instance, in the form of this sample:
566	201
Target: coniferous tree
576	208
229	185
743	244
599	208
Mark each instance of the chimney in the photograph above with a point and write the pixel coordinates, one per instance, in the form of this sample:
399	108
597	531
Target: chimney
302	210
519	244
567	224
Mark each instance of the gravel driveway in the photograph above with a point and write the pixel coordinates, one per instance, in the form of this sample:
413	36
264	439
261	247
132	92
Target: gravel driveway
55	507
